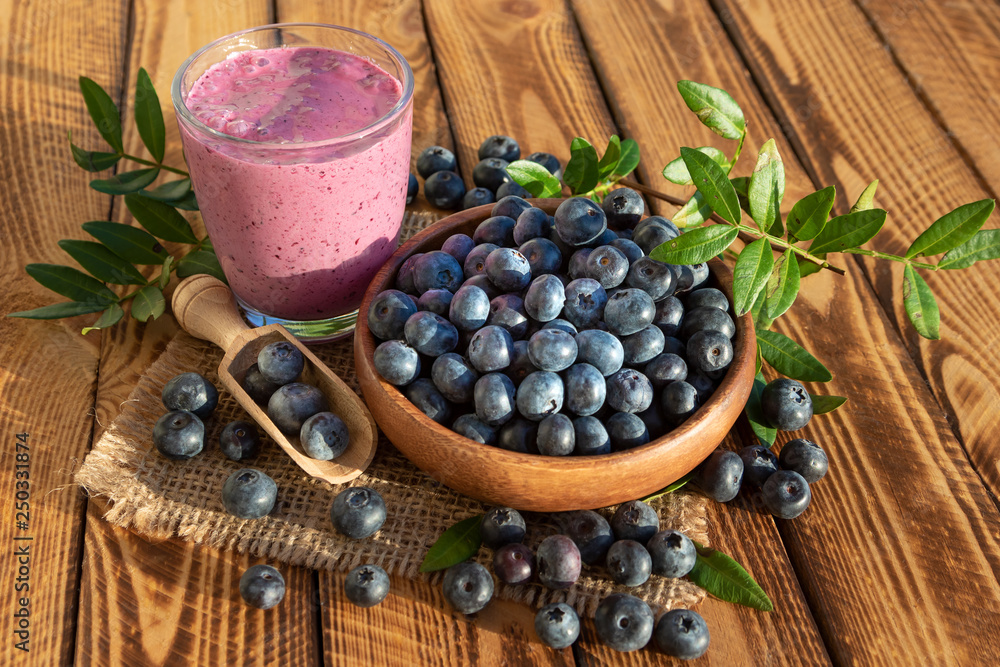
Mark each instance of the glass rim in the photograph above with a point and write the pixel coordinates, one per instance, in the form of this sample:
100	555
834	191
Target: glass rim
182	110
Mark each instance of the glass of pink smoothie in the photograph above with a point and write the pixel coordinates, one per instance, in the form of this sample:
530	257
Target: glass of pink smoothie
297	138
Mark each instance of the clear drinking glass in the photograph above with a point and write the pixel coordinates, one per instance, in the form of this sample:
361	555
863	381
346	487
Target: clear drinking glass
300	221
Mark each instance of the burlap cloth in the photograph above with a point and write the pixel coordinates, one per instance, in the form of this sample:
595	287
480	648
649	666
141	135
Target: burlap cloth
160	498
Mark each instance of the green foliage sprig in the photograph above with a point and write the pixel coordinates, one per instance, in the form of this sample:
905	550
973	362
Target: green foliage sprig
113	258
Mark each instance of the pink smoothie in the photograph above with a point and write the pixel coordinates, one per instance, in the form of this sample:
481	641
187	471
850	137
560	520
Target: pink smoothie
300	219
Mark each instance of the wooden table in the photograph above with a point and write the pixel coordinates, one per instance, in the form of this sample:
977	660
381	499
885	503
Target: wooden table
897	560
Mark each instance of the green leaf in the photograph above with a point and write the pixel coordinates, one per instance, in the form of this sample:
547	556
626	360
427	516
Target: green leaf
534	178
457	544
104	113
920	305
580	173
952	229
849	231
715	108
92	160
149	116
171	191
750	274
670	488
742	186
677	172
782	286
629	159
767	189
760	318
200	261
825	404
130	243
101	263
807	268
694	213
713	182
126	182
57	311
809	215
726	579
187	203
609	161
755	415
867	199
791	359
985	245
160	219
148	303
108	318
696	245
71	283
164	277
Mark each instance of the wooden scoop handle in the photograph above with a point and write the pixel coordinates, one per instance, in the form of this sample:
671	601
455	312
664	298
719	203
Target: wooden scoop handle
205	307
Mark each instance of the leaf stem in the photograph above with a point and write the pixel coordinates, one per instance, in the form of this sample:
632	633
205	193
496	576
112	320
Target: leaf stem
782	243
153	164
891	258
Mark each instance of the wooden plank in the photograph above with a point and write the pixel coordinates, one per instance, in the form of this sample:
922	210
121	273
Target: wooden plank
47	370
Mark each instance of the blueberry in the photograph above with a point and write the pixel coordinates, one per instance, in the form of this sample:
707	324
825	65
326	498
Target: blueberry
629	563
490	173
607	265
558	561
786	494
600	349
191	392
720	475
682	633
404	276
257	386
507	311
635	520
412	188
590	531
532	223
426	397
706	318
397	363
657	221
709	351
654	421
562	325
358	512
511	206
624	208
249	494
652	277
540	395
665	368
514	564
707	297
552	350
547	160
678	401
759	463
543	256
498	230
512	188
491	349
804	457
434	159
604	238
632	252
437	270
564	248
629	311
388	313
518	435
557	625
623	622
579	221
436	301
674	346
179	435
508	269
444	189
591	437
468	587
703	385
520	364
786	404
429	333
556	436
700	275
454	377
500	146
585	302
470	426
475	261
642	346
578	263
366	585
628	390
500	526
626	234
652	236
668	316
324	436
585	389
294	403
626	431
469	308
673	553
545	298
262	586
477	197
494	398
239	440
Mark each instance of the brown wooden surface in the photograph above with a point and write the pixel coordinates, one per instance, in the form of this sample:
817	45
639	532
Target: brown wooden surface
896	562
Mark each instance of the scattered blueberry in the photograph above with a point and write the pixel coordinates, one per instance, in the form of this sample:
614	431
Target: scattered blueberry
499	146
557	625
249	494
512	188
477	197
239	440
444	189
179	435
412	188
786	404
804	457
628	563
759	463
558	561
786	494
623	622
673	553
511	206
682	633
191	392
500	526
434	159
635	520
262	586
720	475
366	585
547	160
514	564
490	173
358	512
468	587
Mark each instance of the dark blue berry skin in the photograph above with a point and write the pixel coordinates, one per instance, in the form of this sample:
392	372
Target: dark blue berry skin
257	386
556	436
324	436
623	622
514	564
501	146
579	221
511	206
673	553
249	494
643	346
590	531
652	277
500	526
472	428
358	512
628	390
635	520
491	349
434	159
294	403
720	475
444	189
262	586
651	236
429	333
654	421
700	275
545	298
543	256
804	457
507	311
475	261
607	265
632	252
629	563
759	463
682	633
562	325
674	346
786	404
437	270
578	263
605	238
518	435
540	395
191	392
512	188
436	301
520	365
552	350
707	297
454	377
280	362
665	368
626	431
494	399
558	561
508	269
678	401
626	234
397	363
566	249
547	160
629	311
458	246
388	313
707	318
469	308
532	223
366	585
404	277
709	351
657	221
482	281
412	188
490	173
703	385
585	302
586	389
423	394
557	625
179	435
786	494
624	208
468	587
239	441
591	437
498	230
669	315
477	197
601	350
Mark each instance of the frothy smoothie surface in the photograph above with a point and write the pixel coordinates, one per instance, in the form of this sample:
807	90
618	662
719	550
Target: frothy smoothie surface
292	94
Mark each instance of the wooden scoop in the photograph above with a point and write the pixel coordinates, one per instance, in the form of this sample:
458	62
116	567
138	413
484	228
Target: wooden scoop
206	309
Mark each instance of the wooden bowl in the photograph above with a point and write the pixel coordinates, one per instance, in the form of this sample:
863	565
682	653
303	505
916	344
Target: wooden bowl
534	482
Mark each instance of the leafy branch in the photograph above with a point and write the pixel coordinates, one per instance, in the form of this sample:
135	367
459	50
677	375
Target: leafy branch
585	174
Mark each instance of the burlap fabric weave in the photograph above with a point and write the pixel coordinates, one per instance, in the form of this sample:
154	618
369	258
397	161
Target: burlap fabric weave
161	498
